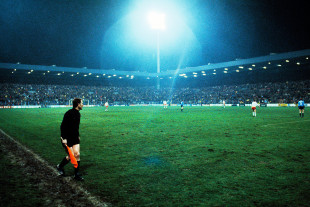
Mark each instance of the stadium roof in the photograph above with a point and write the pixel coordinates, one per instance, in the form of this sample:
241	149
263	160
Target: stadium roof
272	60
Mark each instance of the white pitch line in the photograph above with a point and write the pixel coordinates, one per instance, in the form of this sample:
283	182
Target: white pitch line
285	123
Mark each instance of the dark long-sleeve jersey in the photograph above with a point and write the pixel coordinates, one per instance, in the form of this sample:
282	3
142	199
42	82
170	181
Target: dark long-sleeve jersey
70	124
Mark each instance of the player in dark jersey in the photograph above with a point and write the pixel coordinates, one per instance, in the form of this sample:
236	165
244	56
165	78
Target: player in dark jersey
182	105
70	136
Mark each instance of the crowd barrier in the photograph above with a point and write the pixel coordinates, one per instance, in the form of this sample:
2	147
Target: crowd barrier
186	105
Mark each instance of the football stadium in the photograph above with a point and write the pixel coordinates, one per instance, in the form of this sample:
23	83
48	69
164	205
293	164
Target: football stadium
154	103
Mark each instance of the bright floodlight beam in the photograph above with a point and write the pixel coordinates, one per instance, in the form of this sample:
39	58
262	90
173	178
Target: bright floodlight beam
157	22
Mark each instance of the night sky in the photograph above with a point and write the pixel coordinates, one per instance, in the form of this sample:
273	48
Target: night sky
95	33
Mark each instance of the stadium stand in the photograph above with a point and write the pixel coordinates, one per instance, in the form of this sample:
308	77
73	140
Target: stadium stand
34	94
280	78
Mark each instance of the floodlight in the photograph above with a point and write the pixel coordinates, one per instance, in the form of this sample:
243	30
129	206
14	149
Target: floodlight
157	20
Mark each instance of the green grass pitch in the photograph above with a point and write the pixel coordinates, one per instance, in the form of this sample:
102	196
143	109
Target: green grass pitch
203	156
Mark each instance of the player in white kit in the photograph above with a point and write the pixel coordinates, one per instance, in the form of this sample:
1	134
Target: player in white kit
165	104
106	106
254	105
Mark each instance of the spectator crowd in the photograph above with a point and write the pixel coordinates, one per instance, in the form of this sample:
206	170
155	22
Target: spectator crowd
281	92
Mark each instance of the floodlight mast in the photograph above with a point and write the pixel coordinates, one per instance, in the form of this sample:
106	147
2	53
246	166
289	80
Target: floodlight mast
157	22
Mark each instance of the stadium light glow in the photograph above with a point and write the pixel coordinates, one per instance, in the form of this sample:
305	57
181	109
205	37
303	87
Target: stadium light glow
157	20
298	63
137	32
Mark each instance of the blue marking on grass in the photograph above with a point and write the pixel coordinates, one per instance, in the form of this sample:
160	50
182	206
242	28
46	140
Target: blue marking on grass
153	161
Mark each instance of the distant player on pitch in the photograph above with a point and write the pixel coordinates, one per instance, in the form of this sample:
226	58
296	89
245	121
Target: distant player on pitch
106	106
182	105
301	107
165	104
254	105
224	104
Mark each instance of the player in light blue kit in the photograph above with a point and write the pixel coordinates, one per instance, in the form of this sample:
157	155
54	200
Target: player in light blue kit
301	107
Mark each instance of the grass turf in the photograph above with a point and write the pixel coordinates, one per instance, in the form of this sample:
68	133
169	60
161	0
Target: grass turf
16	188
203	156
